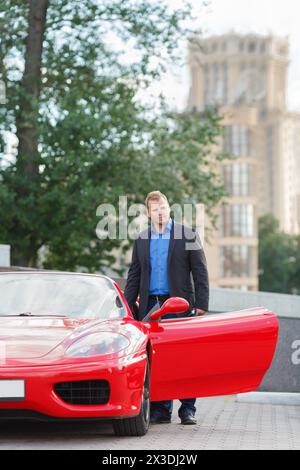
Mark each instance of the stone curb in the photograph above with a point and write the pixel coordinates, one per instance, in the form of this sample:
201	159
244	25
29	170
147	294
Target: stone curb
288	399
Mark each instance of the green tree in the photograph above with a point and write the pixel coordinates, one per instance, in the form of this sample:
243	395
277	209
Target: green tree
279	258
295	277
84	137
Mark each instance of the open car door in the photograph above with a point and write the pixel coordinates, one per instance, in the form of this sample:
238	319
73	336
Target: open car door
220	354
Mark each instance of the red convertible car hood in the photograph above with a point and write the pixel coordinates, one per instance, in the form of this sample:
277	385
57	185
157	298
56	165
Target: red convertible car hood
34	337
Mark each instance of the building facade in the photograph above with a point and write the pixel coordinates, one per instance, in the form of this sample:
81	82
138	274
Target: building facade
245	78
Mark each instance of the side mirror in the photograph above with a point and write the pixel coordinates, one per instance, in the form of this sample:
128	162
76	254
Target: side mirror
172	305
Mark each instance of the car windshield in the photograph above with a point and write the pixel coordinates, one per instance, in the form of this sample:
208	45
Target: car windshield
74	296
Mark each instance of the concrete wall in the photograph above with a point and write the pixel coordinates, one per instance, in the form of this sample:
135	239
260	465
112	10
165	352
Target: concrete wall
284	374
5	255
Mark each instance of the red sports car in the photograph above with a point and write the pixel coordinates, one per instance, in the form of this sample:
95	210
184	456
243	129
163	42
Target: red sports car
71	348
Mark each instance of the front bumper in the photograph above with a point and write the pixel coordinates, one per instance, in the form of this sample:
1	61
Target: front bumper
126	379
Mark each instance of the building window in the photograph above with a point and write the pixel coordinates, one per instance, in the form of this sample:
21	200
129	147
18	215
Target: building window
237	261
203	48
237	179
207	86
225	83
237	220
270	151
215	88
216	73
263	48
252	47
237	140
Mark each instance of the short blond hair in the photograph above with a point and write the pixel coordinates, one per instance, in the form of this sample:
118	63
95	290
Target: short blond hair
155	196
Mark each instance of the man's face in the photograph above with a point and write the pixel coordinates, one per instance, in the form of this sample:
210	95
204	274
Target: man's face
159	212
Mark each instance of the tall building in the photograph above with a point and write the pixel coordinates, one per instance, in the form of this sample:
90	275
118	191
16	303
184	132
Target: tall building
245	78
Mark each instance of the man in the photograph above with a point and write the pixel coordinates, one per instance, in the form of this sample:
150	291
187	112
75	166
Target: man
163	260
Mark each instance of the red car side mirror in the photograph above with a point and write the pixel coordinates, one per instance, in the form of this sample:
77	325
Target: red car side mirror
172	305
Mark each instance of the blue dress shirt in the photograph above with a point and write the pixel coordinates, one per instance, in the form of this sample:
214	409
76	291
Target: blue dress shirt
159	248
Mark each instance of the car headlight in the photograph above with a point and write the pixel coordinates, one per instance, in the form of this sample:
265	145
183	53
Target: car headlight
98	344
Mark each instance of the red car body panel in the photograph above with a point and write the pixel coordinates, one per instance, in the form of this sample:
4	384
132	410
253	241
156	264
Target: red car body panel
35	357
191	357
126	382
220	354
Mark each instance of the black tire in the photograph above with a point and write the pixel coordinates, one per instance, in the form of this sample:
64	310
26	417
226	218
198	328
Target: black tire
139	425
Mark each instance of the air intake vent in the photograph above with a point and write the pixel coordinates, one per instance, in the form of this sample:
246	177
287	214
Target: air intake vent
88	392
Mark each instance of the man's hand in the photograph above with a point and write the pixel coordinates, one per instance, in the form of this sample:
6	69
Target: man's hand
200	312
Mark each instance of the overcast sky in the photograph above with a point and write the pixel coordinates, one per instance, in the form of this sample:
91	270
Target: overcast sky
279	17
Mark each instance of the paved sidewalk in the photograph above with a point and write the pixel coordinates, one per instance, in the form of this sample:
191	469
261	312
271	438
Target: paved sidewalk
223	423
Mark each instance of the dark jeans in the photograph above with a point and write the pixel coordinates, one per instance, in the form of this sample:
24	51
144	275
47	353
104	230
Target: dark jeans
165	407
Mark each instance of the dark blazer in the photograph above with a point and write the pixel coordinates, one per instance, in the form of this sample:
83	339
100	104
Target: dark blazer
187	269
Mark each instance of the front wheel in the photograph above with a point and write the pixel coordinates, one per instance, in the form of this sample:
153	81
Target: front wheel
139	425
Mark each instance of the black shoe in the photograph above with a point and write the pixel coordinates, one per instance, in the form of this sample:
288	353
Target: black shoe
189	418
159	419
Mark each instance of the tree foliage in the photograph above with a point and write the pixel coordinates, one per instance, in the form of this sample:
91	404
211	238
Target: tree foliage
84	137
279	258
